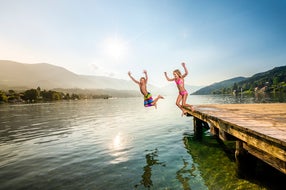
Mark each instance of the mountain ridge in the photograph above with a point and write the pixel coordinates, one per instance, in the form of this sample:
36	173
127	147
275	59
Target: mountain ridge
273	79
223	84
49	76
23	76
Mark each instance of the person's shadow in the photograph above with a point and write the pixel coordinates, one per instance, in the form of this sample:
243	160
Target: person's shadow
150	161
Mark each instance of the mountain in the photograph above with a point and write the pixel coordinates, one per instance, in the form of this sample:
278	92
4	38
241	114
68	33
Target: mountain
47	76
19	76
272	77
219	85
272	80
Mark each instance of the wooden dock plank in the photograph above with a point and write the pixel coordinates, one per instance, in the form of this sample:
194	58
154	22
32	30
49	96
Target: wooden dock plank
261	118
261	126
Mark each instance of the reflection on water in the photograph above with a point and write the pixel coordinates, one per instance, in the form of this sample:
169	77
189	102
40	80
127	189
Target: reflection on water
239	99
211	160
112	144
216	163
269	98
184	174
151	160
118	149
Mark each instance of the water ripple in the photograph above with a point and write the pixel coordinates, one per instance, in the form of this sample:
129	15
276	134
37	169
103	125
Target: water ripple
100	144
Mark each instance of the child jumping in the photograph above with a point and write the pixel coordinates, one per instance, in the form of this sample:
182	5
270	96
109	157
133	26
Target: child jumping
183	94
148	100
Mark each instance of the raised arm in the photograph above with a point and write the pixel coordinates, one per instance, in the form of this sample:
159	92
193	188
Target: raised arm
146	76
169	79
186	70
129	73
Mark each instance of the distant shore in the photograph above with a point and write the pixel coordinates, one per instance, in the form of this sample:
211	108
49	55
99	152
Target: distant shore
38	96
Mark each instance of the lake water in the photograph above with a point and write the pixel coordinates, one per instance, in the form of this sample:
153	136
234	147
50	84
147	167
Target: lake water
115	144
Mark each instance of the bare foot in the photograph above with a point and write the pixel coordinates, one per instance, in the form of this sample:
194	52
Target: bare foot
160	97
191	108
184	113
155	105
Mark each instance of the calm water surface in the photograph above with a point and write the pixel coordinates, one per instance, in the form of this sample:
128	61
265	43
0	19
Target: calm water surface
113	144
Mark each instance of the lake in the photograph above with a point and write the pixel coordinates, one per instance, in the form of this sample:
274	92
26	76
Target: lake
116	144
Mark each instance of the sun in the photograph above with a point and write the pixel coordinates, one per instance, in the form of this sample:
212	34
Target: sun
116	48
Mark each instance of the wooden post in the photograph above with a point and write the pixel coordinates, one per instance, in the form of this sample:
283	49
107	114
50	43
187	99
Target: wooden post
214	130
259	137
246	163
198	127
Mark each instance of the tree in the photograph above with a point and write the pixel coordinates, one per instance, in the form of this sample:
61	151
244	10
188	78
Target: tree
39	91
47	95
75	97
56	96
275	81
30	95
11	92
67	96
234	86
3	97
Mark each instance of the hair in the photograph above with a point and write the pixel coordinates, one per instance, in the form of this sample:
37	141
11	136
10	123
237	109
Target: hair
142	78
178	72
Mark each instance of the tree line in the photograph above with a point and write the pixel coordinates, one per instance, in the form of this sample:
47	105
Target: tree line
38	95
272	81
253	87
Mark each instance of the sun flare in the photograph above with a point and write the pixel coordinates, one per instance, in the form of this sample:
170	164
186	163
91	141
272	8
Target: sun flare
117	141
116	48
117	149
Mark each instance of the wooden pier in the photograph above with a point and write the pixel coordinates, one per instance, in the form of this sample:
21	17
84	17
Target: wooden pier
259	130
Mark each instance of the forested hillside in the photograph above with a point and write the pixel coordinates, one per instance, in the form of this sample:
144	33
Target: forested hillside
219	87
273	80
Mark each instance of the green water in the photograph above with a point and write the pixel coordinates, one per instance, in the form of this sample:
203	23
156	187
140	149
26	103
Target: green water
117	144
216	161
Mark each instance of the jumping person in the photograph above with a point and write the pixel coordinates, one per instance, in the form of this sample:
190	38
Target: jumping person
148	100
183	93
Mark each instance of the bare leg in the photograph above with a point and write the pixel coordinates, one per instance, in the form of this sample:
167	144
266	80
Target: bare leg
185	104
179	99
154	103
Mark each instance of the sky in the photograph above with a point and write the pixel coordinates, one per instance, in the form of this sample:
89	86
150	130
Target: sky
217	39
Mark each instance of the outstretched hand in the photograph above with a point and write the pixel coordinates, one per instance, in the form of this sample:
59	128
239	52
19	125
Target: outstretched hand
183	64
144	71
129	73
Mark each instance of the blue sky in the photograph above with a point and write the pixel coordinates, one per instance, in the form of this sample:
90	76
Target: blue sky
218	39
